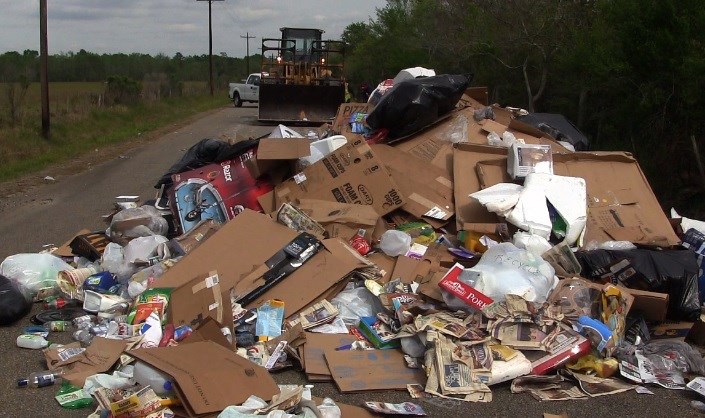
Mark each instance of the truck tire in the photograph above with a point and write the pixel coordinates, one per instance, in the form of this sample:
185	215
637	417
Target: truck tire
237	101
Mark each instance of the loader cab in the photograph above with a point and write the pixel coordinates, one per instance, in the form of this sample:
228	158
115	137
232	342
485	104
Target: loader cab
297	44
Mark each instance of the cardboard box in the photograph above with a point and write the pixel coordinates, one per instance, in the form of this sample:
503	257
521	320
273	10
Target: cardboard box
99	357
238	252
466	293
209	330
218	191
428	189
466	181
275	156
652	305
671	330
351	174
341	122
621	204
209	377
355	371
199	299
341	220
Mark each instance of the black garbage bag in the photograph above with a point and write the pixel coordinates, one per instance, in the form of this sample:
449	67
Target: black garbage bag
414	104
13	304
674	272
204	152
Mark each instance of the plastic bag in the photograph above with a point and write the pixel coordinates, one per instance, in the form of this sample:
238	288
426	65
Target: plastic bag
685	358
356	303
414	104
13	304
482	114
505	269
457	131
32	272
395	243
137	222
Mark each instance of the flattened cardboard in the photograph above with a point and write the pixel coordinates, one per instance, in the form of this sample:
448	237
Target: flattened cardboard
385	263
315	347
199	299
404	269
465	181
428	189
355	371
350	174
621	204
209	377
99	357
341	220
307	283
236	249
209	331
283	148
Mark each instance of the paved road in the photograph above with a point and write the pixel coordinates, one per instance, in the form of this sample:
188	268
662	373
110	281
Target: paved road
51	213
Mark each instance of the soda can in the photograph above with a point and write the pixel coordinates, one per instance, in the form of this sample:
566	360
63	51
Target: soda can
182	332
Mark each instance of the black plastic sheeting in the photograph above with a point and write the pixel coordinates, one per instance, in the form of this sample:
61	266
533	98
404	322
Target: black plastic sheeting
560	128
674	272
204	152
13	305
414	104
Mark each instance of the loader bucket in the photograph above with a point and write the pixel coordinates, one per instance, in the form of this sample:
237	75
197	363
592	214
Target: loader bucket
299	103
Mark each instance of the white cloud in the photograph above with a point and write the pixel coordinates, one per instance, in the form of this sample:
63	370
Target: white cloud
168	26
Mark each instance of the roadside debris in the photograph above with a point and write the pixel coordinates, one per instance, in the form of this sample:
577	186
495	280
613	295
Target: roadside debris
452	244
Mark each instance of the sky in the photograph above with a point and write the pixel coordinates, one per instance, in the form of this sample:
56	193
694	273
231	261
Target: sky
170	26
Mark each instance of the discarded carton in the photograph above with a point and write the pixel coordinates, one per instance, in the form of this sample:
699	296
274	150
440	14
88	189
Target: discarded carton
314	350
466	181
355	371
238	252
428	189
341	122
209	330
652	305
201	298
209	377
350	174
341	220
671	330
621	204
274	154
99	357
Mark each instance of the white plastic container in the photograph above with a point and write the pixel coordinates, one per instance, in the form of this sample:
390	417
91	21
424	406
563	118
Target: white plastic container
330	144
32	341
160	382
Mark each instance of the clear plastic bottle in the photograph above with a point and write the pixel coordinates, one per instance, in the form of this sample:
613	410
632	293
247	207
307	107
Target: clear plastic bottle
40	379
57	326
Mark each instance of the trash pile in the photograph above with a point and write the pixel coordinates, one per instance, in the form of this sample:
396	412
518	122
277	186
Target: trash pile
430	243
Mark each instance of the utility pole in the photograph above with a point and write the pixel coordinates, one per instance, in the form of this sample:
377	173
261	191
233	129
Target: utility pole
247	58
210	45
43	67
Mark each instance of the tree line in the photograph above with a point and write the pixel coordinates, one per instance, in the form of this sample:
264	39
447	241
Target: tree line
628	73
88	66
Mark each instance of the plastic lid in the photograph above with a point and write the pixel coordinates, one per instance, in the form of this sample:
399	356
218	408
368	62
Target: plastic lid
168	386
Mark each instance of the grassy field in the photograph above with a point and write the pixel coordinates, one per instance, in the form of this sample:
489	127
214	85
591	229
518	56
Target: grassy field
80	122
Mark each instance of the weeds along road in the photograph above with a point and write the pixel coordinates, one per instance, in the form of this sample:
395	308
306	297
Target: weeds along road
52	213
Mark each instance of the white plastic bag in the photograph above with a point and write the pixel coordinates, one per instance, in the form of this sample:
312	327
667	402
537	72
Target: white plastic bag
395	243
505	269
131	223
356	303
32	272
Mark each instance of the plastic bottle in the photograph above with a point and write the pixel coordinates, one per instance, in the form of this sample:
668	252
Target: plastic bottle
151	331
57	326
32	341
307	392
146	375
83	336
40	379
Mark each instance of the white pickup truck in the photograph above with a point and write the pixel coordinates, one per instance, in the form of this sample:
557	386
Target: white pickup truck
247	92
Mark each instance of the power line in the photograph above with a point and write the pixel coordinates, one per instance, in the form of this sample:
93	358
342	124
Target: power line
247	38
